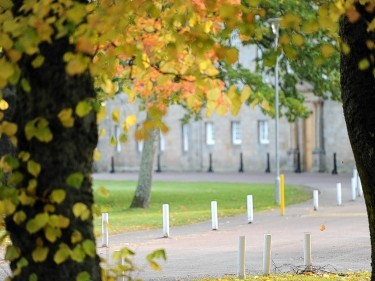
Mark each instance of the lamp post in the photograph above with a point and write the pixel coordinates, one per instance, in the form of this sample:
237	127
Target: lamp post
275	30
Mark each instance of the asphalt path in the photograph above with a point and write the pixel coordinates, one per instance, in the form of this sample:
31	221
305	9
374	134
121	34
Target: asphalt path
196	251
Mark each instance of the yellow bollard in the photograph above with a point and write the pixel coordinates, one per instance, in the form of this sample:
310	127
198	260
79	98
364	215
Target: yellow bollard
282	195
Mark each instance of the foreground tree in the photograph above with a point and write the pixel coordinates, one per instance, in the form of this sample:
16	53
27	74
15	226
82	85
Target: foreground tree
358	96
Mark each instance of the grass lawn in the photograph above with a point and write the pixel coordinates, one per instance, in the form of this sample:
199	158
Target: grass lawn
355	276
189	202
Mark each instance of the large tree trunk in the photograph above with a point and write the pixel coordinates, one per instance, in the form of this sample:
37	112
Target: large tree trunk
142	194
70	151
358	95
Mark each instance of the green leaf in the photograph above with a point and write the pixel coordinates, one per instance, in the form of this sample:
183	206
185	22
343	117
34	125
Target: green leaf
37	223
12	253
58	196
83	276
25	85
39	129
89	247
78	254
33	168
62	254
75	180
40	254
33	277
15	178
83	108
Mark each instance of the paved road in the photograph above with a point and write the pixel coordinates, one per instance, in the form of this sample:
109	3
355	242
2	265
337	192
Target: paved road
196	251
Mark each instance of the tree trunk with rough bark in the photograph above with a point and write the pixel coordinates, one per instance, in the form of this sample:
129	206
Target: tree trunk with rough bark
70	151
358	95
142	194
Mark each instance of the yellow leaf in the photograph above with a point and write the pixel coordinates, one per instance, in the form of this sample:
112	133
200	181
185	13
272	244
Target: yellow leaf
222	109
363	64
19	217
102	113
101	132
89	247
97	155
81	211
213	94
76	65
76	237
33	168
37	223
40	254
38	61
131	120
322	227
297	39
58	196
52	233
83	108
66	118
103	191
116	115
327	50
25	199
3	104
245	93
62	254
7	69
9	128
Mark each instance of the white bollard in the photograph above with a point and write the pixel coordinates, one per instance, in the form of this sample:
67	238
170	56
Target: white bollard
339	195
316	199
215	224
360	190
307	250
241	258
354	193
165	220
267	254
104	229
355	173
250	209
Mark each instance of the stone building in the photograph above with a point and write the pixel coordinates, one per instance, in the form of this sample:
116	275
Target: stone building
305	145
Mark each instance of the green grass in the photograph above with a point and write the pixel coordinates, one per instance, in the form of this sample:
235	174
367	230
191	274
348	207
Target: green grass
189	202
352	276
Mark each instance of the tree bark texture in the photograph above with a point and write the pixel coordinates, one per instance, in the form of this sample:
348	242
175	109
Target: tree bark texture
358	95
70	151
142	194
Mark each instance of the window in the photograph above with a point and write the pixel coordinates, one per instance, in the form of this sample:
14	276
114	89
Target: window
140	146
236	132
185	138
210	137
161	142
117	138
263	132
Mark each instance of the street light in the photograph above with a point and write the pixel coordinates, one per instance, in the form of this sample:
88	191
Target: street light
275	23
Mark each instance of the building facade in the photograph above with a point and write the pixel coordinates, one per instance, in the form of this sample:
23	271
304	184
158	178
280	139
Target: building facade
305	145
